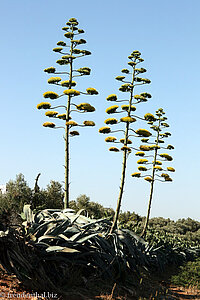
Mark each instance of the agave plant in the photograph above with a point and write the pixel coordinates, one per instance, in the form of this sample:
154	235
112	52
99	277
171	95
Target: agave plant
129	118
158	171
62	249
69	54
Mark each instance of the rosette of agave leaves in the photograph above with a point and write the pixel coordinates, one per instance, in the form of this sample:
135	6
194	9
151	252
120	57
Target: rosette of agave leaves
62	110
151	152
125	105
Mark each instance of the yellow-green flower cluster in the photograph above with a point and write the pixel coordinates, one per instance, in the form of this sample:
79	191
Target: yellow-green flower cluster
128	119
114	149
145	148
67	83
131	63
142	161
143	132
44	105
62	116
166	156
62	62
50	70
51	95
157	162
153	147
139	153
110	139
158	168
54	80
71	123
85	107
136	174
140	70
170	147
140	97
112	97
149	179
91	91
144	140
170	169
51	114
168	179
127	87
120	78
74	133
49	124
61	43
112	109
65	28
69	34
126	148
146	95
142	168
89	123
149	117
58	49
68	56
126	107
123	140
81	31
104	130
126	71
165	124
79	42
111	121
71	92
84	71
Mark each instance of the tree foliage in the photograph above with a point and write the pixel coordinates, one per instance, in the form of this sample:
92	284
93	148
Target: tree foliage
19	193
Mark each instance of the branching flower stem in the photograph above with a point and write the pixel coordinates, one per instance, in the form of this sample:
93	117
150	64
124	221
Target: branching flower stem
152	183
54	107
67	128
125	156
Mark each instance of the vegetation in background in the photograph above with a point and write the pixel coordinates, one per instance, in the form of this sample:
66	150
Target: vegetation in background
69	53
19	193
128	109
188	275
118	255
92	209
158	172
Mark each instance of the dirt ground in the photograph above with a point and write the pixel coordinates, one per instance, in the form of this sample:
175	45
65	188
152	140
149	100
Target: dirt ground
11	288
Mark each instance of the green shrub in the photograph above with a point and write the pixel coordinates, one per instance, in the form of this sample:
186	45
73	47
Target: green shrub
189	275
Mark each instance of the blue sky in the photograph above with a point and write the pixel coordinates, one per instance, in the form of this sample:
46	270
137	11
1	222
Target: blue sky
167	35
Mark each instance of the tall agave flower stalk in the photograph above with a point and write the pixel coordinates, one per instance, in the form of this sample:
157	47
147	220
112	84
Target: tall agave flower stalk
69	53
127	121
158	172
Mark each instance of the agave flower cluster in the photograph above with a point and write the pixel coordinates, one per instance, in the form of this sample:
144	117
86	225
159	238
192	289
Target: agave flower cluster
152	152
126	108
153	156
69	52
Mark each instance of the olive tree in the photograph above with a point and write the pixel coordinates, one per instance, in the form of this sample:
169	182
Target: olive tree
66	104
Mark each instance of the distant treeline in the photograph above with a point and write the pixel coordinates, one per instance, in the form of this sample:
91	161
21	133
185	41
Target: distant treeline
19	193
